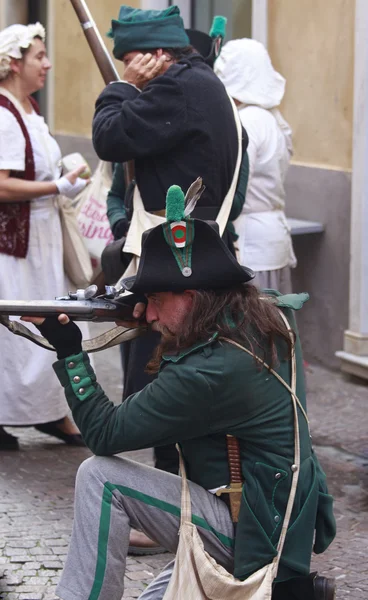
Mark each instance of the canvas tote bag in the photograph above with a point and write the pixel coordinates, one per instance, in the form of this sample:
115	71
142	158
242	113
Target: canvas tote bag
77	262
142	220
91	208
196	574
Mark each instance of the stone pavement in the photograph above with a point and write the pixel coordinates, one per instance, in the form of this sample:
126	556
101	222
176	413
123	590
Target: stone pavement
36	494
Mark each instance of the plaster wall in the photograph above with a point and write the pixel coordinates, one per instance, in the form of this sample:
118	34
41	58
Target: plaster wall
323	259
73	143
77	80
311	44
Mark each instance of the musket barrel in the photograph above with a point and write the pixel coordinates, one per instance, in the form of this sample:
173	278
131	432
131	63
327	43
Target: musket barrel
103	59
77	310
95	41
108	72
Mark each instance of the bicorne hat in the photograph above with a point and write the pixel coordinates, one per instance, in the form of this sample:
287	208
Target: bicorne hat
209	45
185	253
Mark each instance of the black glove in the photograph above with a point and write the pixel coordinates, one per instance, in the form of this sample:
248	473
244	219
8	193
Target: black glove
66	339
120	229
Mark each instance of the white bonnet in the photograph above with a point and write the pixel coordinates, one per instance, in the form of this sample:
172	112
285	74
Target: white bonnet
15	38
245	69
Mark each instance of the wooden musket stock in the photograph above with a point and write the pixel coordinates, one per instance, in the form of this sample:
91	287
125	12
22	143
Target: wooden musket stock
102	58
109	74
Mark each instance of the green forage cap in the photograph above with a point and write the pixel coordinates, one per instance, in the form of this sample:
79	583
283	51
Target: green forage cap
175	203
218	28
137	29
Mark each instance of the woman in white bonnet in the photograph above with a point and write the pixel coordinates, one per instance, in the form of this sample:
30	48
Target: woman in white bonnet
265	245
31	252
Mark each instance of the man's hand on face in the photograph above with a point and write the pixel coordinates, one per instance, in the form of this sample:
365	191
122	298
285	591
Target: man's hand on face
143	68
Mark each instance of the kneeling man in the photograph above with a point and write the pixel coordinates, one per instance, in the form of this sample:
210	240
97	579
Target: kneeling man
226	365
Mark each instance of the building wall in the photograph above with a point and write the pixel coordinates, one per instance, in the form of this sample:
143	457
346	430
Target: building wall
312	45
323	259
77	80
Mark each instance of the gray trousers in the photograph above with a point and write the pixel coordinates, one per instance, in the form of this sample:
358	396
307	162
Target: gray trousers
114	494
278	279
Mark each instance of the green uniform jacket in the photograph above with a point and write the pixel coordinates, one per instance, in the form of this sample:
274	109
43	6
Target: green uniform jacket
198	397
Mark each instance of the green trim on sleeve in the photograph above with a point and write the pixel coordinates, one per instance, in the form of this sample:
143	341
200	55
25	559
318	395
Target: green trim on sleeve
77	375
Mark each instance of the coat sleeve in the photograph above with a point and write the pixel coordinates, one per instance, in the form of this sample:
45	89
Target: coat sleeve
116	196
129	124
175	406
241	188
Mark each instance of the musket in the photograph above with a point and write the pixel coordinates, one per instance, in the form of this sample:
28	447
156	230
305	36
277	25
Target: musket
102	58
82	305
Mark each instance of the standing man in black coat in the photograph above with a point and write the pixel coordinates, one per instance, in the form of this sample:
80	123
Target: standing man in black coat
173	117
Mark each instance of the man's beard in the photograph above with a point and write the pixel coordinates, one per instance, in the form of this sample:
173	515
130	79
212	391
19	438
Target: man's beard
168	338
169	344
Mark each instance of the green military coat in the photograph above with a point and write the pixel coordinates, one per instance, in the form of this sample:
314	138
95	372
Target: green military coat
199	396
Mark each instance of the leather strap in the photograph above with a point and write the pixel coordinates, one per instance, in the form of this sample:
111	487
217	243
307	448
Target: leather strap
110	338
159	213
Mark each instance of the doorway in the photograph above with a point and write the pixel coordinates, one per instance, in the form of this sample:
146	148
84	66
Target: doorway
237	12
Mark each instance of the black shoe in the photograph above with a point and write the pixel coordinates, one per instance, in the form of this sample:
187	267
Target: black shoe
324	588
71	439
311	587
8	441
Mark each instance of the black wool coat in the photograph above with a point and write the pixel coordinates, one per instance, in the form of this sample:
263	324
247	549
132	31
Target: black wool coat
180	127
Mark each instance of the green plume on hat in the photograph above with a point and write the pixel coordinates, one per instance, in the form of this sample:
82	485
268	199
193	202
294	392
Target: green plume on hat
218	28
179	227
178	206
217	33
175	202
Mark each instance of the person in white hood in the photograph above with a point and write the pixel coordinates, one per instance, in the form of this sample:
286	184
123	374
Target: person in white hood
245	69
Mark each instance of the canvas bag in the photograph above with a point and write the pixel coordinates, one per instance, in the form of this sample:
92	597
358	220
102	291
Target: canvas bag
91	210
77	262
196	574
142	220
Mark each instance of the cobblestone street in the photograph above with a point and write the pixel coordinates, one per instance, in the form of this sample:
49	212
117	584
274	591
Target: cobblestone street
36	494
